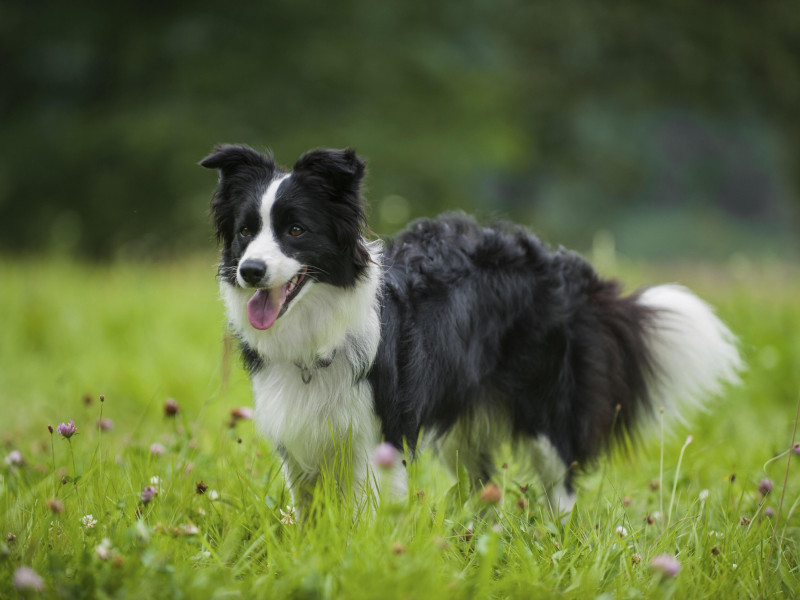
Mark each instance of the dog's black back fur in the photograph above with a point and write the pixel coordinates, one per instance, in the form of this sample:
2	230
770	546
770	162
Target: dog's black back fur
489	318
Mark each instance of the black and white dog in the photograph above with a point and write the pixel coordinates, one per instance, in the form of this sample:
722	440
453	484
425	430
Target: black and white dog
476	335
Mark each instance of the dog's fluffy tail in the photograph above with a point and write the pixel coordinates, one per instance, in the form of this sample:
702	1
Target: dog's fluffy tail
692	353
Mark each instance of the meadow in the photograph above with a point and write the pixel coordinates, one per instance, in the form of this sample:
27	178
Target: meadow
166	491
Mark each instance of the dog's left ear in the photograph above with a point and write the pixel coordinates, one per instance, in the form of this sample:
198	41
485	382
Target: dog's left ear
339	172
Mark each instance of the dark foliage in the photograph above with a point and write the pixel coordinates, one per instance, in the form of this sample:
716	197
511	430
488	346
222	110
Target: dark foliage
568	116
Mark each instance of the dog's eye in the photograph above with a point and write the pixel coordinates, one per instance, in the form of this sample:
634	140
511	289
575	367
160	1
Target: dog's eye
245	232
296	230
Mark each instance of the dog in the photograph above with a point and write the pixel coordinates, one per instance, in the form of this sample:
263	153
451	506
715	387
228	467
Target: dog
476	335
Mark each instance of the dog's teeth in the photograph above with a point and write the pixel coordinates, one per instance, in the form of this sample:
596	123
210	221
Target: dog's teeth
294	283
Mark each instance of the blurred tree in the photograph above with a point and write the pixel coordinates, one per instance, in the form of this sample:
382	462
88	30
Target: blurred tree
575	116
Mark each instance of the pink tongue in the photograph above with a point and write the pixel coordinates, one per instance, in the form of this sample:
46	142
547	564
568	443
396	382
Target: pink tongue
265	306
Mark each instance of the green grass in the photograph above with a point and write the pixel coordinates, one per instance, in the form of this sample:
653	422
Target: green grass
142	333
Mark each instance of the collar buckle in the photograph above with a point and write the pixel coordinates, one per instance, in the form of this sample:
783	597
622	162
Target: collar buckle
307	373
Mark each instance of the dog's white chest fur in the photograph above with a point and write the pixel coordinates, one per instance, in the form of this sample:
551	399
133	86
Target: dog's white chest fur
309	420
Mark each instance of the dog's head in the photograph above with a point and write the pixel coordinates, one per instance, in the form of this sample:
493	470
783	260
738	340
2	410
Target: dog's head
283	232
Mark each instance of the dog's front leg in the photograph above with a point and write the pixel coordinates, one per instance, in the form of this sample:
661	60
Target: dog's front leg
301	484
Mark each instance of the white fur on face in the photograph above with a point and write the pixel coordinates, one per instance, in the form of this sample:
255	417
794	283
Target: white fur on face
280	268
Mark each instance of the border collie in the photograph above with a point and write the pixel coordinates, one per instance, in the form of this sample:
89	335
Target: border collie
475	334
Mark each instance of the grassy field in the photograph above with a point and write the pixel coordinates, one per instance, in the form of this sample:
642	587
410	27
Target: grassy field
140	334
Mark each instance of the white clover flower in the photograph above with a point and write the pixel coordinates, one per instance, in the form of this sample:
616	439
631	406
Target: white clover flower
88	521
103	549
155	481
157	449
703	495
190	529
202	555
656	516
667	565
26	579
287	518
14	459
213	495
621	531
385	455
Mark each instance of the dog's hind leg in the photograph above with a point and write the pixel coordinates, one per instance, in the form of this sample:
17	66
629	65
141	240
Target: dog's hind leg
471	443
555	476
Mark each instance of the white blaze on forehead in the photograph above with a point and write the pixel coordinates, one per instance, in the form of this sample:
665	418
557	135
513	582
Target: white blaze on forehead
265	247
268	199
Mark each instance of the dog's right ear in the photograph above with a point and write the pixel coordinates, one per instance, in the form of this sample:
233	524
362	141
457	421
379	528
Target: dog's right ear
230	158
242	171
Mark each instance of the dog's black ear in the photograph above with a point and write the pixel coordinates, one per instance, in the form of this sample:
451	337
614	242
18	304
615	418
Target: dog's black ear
337	175
338	172
230	158
242	173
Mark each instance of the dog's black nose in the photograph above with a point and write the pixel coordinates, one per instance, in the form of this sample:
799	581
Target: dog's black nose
253	271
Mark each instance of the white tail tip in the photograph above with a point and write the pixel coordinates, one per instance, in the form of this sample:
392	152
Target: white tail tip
693	352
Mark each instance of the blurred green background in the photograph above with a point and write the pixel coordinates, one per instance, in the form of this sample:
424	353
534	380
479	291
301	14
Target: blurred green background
670	129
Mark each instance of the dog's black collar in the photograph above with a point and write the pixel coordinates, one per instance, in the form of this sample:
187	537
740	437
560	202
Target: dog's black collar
306	372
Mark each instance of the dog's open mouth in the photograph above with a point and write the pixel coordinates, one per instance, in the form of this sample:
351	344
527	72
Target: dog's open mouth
267	305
